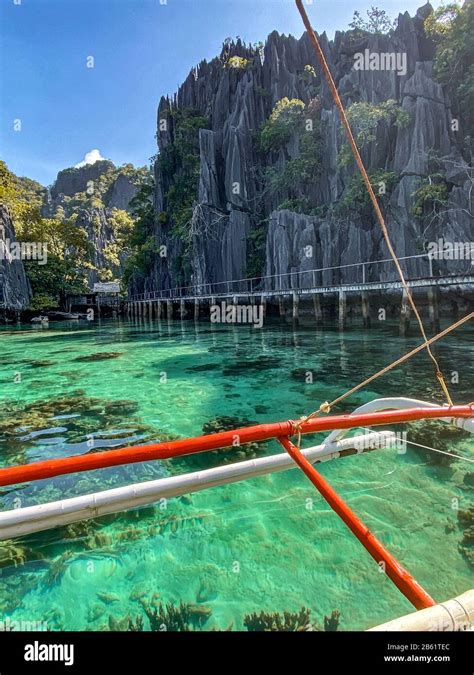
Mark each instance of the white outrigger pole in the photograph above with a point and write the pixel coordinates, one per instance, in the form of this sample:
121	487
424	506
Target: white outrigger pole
455	614
29	519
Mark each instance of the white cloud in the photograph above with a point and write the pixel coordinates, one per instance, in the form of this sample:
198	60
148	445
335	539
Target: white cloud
90	158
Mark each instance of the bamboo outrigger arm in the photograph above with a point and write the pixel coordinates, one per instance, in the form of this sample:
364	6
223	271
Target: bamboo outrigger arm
260	432
456	614
40	517
381	412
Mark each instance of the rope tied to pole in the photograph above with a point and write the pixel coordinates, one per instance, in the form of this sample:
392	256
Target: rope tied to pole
326	407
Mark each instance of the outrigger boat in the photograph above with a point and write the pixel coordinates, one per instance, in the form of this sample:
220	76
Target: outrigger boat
455	614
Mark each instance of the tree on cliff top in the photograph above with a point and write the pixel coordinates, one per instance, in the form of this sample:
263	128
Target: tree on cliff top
67	246
377	22
451	27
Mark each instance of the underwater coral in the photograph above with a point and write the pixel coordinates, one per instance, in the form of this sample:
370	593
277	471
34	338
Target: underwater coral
437	434
289	621
234	453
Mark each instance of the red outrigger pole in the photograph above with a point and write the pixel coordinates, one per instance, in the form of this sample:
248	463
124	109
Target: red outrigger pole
280	431
402	579
261	432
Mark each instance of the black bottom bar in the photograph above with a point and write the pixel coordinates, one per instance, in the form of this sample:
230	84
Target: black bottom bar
199	652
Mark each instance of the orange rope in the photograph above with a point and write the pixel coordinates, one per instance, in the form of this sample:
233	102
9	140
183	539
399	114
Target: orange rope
373	198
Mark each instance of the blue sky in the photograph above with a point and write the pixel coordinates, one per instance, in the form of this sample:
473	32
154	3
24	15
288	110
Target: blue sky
141	48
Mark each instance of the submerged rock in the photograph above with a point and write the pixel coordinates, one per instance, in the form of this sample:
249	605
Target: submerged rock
99	356
466	544
95	612
119	624
40	363
82	418
108	598
245	366
199	614
139	592
203	368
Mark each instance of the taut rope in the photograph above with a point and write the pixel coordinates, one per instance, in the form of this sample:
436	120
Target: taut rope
326	407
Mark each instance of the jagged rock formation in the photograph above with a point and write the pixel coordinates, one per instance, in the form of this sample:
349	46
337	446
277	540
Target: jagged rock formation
15	290
120	193
71	181
90	193
101	235
231	201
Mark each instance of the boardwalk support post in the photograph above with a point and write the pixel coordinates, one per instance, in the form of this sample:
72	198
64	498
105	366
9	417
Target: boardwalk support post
404	315
433	307
318	312
365	309
342	308
296	306
281	306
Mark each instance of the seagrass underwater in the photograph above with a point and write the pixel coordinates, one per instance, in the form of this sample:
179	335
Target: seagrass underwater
219	376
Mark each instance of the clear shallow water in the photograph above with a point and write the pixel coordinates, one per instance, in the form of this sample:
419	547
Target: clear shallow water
240	548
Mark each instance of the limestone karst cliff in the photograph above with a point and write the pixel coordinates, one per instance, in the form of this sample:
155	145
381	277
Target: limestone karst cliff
97	199
93	194
237	211
15	290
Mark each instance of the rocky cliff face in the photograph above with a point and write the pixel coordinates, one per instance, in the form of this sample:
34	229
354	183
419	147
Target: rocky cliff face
14	287
232	207
71	181
91	193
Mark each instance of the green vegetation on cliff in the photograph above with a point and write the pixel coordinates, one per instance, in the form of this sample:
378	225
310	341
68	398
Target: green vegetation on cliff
364	119
451	27
141	239
67	246
287	118
179	165
292	122
71	232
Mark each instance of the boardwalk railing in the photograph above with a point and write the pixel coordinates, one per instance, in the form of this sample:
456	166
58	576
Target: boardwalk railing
297	280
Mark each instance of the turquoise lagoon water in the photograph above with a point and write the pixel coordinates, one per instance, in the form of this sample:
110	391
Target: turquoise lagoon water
236	549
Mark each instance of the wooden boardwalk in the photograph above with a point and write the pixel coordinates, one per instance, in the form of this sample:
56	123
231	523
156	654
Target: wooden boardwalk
301	286
176	294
